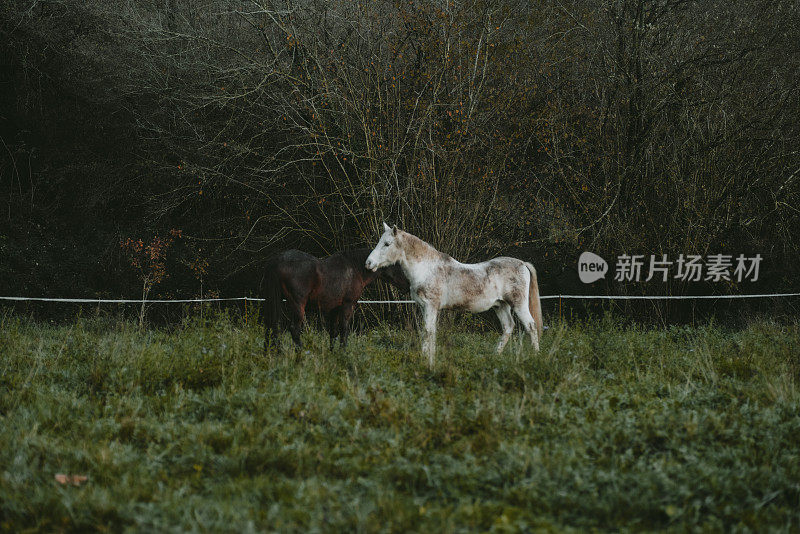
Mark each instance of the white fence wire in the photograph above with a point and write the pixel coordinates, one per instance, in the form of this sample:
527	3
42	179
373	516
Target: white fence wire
255	299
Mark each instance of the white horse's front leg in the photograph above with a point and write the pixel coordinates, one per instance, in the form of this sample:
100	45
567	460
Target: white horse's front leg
430	315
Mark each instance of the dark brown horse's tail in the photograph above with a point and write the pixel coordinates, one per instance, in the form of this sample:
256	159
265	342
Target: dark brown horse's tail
534	302
271	306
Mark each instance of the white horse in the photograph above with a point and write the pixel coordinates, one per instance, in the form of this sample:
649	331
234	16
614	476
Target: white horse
438	281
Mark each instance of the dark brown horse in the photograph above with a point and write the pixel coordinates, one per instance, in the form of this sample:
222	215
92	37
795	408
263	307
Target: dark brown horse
332	284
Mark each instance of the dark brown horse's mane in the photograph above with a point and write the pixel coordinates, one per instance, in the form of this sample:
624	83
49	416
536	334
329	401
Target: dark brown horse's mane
357	255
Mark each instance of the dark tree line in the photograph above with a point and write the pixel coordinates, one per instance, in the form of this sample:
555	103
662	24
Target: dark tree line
534	129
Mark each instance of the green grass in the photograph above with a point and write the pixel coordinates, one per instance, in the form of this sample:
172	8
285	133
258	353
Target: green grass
608	427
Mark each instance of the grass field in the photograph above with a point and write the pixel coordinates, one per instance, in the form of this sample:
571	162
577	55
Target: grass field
192	428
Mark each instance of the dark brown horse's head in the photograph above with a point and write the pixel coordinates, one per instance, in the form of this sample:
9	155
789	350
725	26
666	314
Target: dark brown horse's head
392	274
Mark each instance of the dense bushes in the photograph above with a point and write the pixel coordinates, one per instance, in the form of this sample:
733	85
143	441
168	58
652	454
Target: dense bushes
485	127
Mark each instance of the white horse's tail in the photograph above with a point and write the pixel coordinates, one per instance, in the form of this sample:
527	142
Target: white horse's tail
534	302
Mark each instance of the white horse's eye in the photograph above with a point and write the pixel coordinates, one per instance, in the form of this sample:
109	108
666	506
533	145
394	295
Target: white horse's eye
386	244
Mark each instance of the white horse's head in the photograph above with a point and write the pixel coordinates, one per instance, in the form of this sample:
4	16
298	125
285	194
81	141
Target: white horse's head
387	251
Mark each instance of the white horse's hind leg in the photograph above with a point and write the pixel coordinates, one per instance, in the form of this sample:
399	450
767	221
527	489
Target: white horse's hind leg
503	311
528	323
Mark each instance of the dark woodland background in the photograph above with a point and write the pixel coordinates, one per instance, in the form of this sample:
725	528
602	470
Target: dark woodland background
217	132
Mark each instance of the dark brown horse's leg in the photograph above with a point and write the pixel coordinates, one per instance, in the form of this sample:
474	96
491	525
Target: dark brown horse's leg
298	313
295	329
344	322
332	318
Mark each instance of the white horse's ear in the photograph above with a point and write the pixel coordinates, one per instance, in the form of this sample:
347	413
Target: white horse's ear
394	229
386	227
